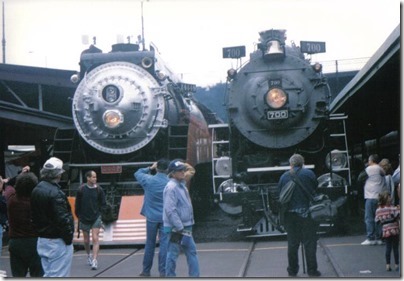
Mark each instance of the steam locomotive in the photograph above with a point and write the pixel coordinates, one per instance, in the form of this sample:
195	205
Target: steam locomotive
129	110
277	105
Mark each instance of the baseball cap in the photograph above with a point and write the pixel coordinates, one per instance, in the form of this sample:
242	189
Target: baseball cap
176	165
54	163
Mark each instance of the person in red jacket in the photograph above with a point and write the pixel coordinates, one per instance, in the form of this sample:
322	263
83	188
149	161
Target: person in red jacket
23	236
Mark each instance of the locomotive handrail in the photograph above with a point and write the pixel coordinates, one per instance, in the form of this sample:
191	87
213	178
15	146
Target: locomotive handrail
271	169
274	70
112	164
222	125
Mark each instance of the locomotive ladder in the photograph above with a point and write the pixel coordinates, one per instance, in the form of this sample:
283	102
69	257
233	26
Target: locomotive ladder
340	117
63	146
223	139
177	142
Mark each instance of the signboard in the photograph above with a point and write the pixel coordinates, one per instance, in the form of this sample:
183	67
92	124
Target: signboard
116	169
277	114
312	47
234	52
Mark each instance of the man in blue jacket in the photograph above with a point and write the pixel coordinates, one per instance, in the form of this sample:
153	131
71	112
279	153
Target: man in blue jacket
152	209
178	217
299	225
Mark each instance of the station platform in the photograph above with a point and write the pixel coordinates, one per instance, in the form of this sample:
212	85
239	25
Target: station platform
336	256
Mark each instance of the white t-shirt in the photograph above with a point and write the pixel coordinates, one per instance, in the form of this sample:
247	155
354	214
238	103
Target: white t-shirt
375	182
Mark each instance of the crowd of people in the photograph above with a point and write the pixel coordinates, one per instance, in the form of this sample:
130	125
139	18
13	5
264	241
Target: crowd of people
41	226
382	206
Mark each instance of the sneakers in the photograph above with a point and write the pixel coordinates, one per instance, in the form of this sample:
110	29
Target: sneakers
3	273
89	260
368	242
144	274
94	265
379	242
315	274
388	268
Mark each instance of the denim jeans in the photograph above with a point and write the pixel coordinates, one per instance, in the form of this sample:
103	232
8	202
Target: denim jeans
1	241
56	257
152	229
373	230
188	246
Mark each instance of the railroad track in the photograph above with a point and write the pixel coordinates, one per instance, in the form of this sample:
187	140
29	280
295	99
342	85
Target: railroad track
321	247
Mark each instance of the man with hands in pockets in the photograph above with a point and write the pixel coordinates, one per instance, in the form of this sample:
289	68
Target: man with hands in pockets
178	218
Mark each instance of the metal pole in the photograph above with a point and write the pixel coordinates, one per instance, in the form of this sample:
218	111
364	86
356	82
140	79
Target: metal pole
143	43
3	41
303	260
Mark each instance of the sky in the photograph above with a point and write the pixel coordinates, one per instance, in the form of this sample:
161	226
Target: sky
190	35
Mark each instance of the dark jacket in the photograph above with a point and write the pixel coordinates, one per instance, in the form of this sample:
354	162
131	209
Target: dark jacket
300	202
51	212
90	202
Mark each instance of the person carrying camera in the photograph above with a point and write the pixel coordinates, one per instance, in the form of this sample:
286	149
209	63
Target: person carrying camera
178	218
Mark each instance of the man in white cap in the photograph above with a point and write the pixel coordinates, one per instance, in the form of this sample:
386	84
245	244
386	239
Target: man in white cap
53	219
178	218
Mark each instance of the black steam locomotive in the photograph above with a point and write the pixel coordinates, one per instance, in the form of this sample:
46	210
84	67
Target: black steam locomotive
277	105
129	110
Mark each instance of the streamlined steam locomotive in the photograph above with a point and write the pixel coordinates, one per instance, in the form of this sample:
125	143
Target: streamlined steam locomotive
277	105
129	110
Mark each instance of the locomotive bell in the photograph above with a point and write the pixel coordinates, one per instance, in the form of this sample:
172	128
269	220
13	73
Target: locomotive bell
272	43
273	50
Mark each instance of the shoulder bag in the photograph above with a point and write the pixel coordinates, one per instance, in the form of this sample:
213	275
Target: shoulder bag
321	207
287	190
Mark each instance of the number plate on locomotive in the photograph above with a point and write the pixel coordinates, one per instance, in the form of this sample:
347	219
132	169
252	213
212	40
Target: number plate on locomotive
111	169
278	114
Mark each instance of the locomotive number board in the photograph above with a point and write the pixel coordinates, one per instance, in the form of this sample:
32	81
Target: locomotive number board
234	52
312	47
277	114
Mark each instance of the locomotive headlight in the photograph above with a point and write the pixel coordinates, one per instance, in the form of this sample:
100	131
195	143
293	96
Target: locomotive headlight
231	74
161	75
112	118
276	98
336	160
110	93
317	67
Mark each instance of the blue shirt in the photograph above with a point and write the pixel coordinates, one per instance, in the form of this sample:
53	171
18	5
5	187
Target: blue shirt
153	186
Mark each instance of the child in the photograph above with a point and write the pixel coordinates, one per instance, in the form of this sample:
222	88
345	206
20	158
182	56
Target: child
388	216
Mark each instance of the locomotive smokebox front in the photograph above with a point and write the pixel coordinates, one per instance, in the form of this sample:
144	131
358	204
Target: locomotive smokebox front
277	103
118	107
